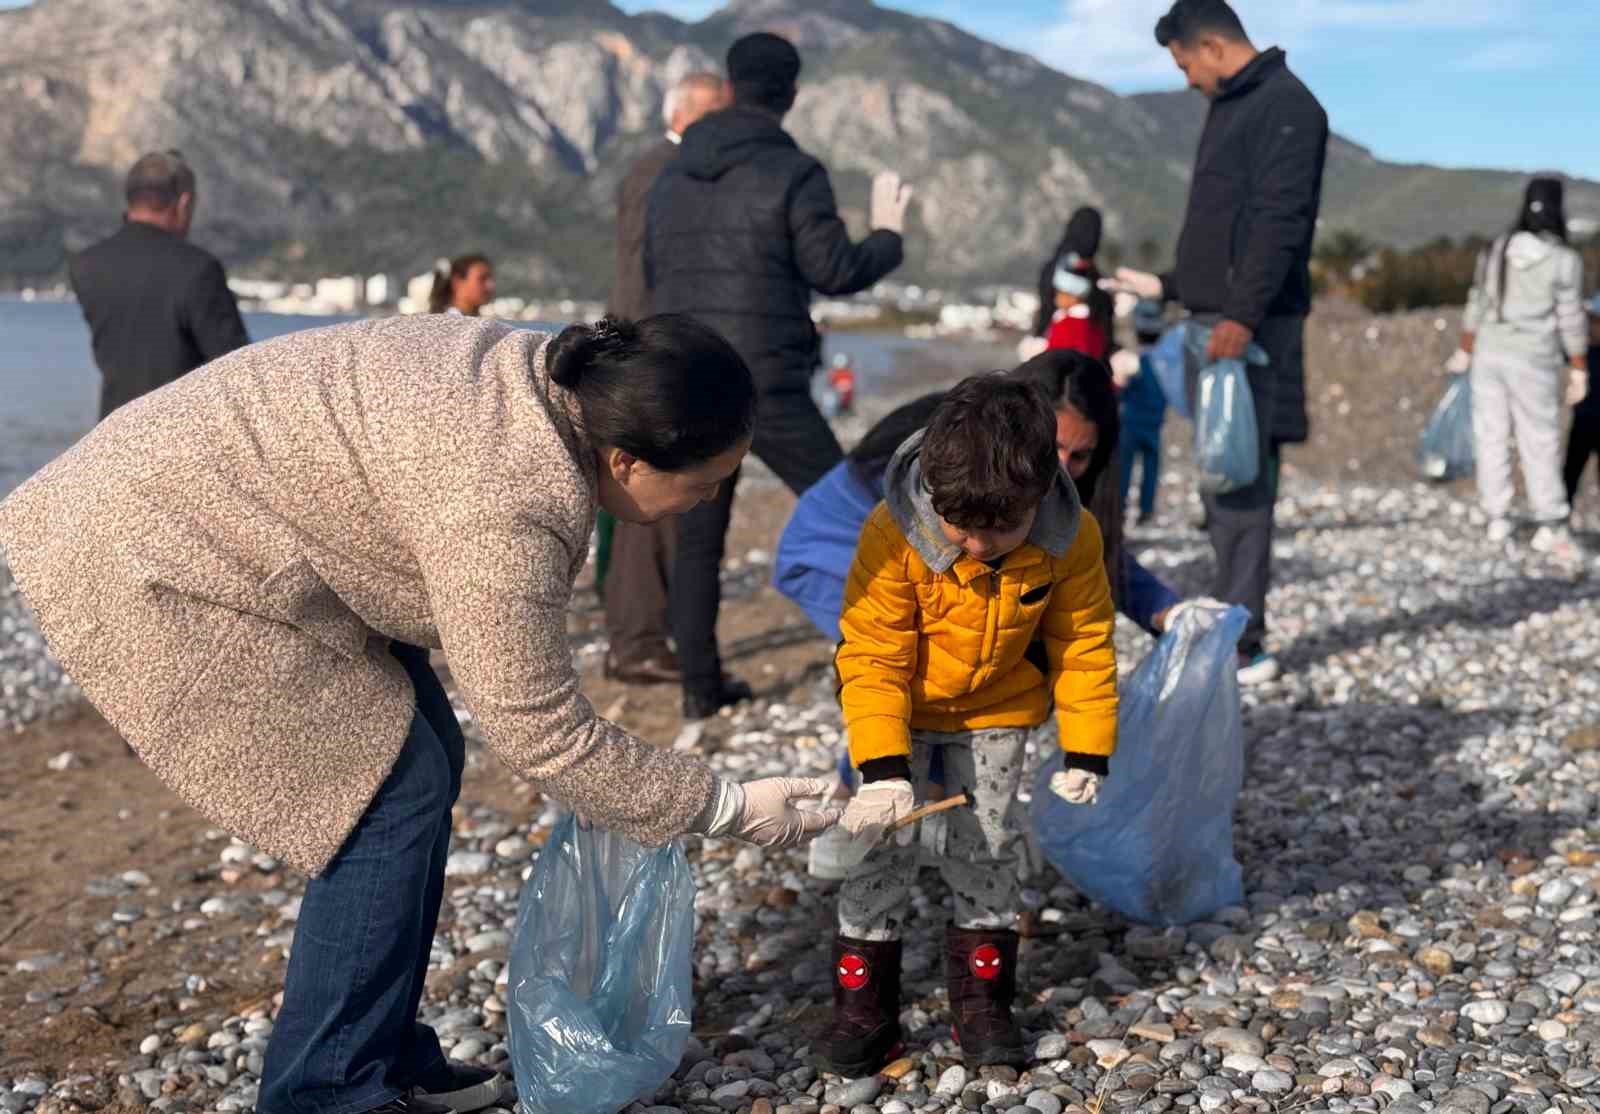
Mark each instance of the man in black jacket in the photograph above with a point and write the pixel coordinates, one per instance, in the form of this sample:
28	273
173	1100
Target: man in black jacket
1244	266
157	306
742	228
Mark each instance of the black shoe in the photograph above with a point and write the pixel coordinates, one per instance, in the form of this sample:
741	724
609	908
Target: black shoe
981	972
405	1105
704	705
468	1089
864	1034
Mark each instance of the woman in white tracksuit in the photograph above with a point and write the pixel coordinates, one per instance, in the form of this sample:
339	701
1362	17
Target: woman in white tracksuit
1524	324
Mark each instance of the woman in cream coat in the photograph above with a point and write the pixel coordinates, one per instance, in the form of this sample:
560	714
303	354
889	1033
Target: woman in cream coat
239	569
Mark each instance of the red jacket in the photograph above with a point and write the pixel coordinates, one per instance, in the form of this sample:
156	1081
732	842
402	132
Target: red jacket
1081	334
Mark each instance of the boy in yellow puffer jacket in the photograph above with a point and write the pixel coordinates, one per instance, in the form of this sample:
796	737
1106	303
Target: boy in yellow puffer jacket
977	598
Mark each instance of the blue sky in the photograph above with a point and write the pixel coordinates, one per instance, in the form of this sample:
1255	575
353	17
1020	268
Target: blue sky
1505	83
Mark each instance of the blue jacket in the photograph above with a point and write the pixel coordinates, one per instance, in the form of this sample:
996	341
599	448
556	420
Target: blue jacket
819	543
1144	403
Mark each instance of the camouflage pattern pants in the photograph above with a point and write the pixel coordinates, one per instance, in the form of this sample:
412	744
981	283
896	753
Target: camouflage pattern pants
982	845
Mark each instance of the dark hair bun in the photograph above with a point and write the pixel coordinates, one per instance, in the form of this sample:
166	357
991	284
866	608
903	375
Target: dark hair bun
575	348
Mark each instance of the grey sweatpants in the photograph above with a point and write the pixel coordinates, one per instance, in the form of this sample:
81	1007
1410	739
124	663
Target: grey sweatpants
983	845
1510	395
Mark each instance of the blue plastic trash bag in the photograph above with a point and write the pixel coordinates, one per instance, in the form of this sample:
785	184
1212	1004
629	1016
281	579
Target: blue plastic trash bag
600	985
1158	844
1446	451
1226	447
1166	356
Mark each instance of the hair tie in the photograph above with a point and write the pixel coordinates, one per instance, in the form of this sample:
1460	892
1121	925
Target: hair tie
441	267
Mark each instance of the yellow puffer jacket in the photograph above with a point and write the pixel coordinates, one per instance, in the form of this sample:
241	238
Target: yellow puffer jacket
946	651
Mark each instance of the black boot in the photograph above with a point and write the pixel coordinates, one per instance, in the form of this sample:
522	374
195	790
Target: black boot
981	972
703	704
864	1035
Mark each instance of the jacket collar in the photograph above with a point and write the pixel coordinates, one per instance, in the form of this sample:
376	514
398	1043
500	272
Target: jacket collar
1261	67
1054	528
566	414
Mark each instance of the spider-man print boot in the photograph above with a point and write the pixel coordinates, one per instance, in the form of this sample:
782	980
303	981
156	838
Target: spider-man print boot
864	1034
981	971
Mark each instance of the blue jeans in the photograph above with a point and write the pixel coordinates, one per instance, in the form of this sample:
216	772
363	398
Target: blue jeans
1142	445
347	1038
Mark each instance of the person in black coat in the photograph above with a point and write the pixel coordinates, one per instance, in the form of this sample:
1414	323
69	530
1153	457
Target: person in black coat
157	306
742	228
1244	266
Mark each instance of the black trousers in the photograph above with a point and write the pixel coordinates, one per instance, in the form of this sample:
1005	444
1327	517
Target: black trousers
795	441
1241	523
1582	443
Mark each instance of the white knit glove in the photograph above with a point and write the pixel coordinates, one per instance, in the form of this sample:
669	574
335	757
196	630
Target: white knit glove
1124	366
1202	605
877	805
764	813
1141	284
1029	347
890	198
1076	787
1577	385
1459	361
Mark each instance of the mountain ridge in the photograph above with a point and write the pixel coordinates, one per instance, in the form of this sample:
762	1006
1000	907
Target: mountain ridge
335	136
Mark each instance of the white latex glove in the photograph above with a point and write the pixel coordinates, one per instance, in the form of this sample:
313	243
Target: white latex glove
1124	366
890	198
1459	361
764	813
1076	787
1141	284
1577	385
875	806
1201	604
1029	347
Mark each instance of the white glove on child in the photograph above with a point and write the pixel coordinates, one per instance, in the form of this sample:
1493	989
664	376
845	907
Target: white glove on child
1459	362
1076	787
1577	386
1124	366
877	805
1141	284
763	812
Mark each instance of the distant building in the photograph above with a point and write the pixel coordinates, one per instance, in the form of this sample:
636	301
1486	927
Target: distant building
344	294
381	290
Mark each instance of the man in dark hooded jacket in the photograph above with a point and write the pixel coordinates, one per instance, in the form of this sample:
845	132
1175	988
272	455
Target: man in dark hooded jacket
1244	266
742	228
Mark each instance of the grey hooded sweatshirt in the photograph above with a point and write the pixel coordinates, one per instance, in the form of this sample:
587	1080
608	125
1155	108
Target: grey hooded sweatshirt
1054	528
1538	318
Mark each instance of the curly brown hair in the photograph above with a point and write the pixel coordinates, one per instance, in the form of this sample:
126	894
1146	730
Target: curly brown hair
989	456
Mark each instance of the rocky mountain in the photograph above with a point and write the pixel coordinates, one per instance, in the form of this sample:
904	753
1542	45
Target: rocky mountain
368	135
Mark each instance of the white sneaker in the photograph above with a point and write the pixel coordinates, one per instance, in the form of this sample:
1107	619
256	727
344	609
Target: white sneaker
1260	670
1500	530
1557	542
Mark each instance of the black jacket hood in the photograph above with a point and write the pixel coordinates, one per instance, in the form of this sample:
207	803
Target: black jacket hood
726	139
1262	66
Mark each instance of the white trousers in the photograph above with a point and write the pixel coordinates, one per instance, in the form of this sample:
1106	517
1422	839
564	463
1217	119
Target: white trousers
1511	397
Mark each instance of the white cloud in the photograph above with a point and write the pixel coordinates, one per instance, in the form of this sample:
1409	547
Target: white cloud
1508	55
1112	41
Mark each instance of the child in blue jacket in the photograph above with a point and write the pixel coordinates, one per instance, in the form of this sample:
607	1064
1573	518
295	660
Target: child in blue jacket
1144	408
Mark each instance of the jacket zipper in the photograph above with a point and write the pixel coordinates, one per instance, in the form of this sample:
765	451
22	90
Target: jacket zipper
992	626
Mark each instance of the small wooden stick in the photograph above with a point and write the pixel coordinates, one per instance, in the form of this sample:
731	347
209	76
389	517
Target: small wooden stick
926	810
